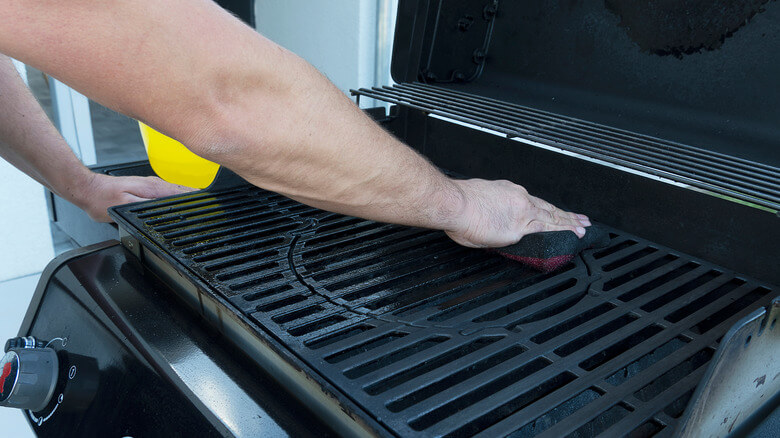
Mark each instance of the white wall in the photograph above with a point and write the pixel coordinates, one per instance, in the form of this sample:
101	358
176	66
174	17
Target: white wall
25	238
340	38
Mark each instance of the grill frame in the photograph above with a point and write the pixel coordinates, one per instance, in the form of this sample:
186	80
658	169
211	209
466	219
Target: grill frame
264	325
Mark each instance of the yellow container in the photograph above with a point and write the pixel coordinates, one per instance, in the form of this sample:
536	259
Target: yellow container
174	163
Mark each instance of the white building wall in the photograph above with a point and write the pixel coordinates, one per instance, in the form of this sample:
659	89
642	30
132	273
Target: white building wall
25	238
339	37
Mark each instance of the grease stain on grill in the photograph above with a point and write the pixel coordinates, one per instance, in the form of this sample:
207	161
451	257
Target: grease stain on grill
289	301
502	411
639	272
430	365
674	375
644	362
394	357
487	294
620	347
337	336
660	281
634	256
242	272
603	421
434	339
256	282
683	27
677	407
364	347
317	325
572	323
558	413
459	377
300	314
532	299
595	335
266	293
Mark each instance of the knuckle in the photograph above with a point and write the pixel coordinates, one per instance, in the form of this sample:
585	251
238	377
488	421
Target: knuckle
534	227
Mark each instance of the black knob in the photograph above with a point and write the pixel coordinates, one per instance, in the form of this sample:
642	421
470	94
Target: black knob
28	377
23	342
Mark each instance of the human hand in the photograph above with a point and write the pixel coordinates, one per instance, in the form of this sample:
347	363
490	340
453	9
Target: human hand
102	191
499	213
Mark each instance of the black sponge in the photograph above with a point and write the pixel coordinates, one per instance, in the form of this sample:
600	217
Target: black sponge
549	250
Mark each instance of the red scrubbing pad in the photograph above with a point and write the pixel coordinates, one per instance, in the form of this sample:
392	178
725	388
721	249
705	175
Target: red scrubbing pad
550	250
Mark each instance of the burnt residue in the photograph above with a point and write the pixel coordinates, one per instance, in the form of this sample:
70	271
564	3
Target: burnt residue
683	27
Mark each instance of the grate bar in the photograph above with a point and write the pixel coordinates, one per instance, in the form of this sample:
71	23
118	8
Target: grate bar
402	396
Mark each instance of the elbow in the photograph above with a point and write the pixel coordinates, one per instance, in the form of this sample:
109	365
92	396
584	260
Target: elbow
246	116
225	137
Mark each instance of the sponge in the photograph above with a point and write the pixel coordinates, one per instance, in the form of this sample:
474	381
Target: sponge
549	250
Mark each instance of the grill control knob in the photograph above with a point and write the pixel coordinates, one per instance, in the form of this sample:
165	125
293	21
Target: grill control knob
28	377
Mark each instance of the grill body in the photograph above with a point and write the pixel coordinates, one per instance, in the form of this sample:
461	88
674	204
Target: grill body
658	120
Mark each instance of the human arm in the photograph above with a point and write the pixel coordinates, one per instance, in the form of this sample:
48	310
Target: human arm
194	72
30	142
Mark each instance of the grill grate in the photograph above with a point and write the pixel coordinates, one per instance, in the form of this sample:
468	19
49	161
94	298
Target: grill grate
753	182
434	339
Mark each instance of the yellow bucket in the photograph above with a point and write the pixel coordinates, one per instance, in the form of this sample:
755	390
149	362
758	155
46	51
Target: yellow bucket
174	163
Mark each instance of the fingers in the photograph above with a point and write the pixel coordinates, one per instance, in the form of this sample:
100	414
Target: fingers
541	203
500	213
129	198
557	217
164	188
150	187
537	226
554	216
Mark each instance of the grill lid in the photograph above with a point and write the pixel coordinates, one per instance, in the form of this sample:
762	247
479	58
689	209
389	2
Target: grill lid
695	72
429	338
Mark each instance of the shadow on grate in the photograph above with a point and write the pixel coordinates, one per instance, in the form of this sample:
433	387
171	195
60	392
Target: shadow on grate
435	339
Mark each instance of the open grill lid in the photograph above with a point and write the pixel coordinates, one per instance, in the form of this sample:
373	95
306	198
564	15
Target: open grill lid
698	72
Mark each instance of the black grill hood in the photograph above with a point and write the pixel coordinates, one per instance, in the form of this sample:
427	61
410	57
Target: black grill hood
698	72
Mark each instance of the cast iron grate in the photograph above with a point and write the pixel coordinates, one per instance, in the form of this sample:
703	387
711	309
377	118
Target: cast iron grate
438	340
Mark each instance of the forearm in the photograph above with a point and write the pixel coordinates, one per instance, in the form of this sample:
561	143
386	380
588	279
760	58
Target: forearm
234	97
30	142
313	144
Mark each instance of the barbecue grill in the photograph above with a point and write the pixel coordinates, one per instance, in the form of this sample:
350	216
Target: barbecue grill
243	311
